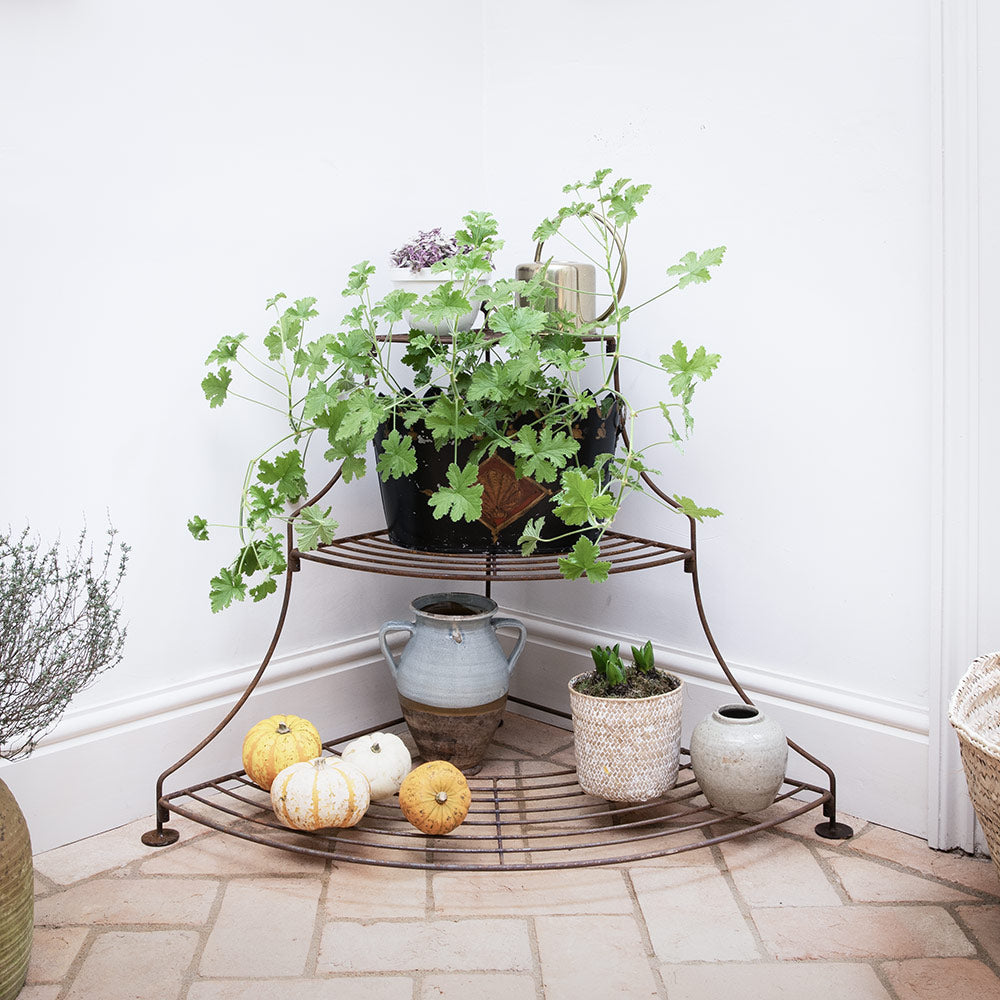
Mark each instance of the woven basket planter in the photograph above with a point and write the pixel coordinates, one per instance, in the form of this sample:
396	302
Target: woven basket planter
627	749
975	713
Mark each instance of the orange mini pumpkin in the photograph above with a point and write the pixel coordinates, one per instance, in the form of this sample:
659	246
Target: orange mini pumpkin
435	797
275	743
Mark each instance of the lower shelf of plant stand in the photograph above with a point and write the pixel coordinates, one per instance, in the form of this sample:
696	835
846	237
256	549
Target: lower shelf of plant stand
517	822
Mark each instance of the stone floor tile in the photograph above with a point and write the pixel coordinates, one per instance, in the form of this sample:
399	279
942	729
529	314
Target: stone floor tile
486	986
367	893
769	870
444	945
531	736
805	824
42	886
973	873
870	882
519	894
566	757
135	965
984	920
858	931
264	928
104	852
692	916
942	979
220	854
39	993
367	988
773	981
130	901
593	956
52	952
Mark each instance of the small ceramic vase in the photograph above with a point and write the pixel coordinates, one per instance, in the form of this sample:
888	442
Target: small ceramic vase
738	756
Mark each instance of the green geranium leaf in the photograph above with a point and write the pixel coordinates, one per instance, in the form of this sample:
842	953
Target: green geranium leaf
364	412
518	324
311	360
584	559
274	344
541	456
693	268
314	527
225	588
398	457
216	386
226	349
270	552
445	424
621	206
351	350
689	507
357	280
353	467
303	308
531	535
395	304
487	383
319	399
262	590
462	498
445	304
595	182
272	302
198	527
580	503
687	371
286	474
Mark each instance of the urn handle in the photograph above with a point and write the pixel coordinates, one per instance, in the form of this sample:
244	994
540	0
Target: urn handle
386	652
512	623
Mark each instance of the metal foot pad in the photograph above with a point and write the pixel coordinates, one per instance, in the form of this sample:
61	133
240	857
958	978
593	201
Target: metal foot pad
834	831
160	838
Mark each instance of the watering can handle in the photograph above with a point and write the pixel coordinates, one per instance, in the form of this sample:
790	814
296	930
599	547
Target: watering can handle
512	623
386	652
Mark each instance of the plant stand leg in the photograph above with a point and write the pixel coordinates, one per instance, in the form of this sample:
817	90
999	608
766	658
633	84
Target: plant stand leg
161	836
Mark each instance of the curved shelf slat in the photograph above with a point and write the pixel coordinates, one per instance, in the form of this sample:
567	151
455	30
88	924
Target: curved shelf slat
517	822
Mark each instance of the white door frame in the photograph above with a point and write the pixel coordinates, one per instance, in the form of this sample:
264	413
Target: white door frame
955	411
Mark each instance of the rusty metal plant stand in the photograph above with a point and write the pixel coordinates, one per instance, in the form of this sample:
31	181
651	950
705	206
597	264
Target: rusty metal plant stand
517	822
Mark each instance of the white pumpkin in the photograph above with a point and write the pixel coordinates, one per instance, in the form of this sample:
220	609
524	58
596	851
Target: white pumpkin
319	793
384	759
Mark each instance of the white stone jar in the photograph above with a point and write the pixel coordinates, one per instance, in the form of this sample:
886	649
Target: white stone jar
738	756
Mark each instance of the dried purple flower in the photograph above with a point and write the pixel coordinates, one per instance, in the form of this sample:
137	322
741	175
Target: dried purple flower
426	249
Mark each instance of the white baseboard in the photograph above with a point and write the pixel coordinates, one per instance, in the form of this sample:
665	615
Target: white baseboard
98	770
876	747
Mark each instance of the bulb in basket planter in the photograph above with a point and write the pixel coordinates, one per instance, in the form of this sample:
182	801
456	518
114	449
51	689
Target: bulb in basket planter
421	267
626	726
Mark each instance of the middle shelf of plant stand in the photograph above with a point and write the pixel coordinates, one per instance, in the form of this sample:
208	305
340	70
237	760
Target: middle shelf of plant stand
372	552
525	815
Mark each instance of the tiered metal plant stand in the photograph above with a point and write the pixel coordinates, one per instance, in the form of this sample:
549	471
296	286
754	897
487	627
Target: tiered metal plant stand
518	821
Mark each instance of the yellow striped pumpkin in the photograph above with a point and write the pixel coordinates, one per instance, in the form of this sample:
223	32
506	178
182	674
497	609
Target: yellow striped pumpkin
275	743
319	793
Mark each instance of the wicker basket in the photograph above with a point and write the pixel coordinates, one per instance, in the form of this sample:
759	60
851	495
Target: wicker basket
975	713
627	749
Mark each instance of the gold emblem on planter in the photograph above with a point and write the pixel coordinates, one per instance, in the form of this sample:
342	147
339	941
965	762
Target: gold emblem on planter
505	496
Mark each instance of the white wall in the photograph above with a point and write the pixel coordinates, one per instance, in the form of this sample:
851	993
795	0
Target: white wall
160	176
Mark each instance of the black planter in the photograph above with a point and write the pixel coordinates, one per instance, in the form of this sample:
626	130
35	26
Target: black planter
509	502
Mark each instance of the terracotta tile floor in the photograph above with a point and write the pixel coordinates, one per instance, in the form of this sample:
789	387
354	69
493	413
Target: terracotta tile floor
783	914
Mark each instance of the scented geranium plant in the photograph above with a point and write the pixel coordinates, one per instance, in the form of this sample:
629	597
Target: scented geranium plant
519	382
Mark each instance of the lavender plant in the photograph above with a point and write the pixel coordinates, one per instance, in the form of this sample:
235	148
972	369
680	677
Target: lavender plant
527	363
59	628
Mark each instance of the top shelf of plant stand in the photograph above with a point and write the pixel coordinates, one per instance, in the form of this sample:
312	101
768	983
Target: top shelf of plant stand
372	552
